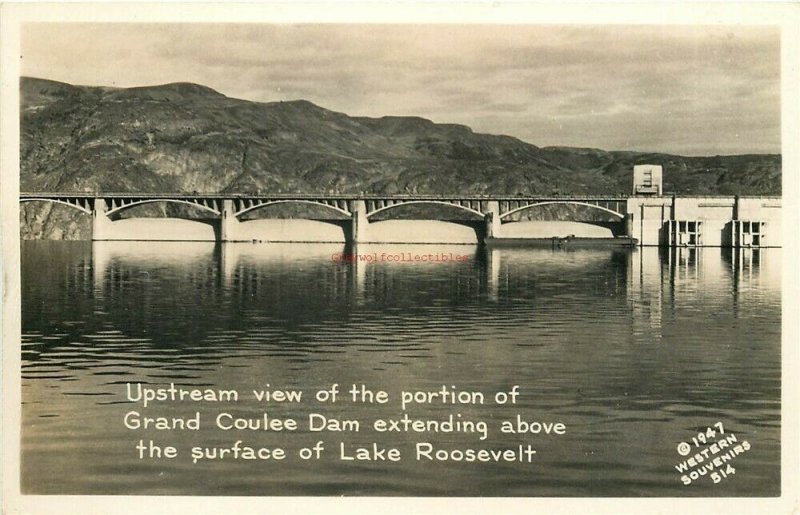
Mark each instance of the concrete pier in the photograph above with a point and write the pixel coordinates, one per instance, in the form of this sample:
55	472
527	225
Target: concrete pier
229	224
492	219
101	224
358	221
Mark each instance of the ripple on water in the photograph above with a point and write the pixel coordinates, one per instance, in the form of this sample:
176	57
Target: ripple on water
631	351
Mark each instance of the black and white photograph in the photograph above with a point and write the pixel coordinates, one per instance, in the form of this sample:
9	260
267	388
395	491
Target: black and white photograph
396	257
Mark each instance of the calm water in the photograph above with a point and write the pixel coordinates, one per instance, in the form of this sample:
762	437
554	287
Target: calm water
633	351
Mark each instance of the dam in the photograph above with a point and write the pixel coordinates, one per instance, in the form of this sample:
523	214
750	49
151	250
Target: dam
719	221
645	218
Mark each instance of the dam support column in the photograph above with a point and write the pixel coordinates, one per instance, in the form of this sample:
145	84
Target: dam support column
492	220
101	224
358	222
228	222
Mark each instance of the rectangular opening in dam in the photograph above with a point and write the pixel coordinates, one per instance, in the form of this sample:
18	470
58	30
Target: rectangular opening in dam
685	233
748	233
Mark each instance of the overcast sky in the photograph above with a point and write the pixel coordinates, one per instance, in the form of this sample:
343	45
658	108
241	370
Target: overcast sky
684	90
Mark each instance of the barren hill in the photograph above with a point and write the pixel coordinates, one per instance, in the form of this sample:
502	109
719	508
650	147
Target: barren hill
186	137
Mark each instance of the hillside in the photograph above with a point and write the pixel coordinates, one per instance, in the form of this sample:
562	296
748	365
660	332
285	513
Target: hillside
186	137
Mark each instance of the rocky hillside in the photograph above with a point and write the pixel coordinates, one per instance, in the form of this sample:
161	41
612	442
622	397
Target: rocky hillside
186	137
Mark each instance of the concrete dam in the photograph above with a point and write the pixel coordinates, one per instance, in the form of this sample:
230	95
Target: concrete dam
647	217
647	220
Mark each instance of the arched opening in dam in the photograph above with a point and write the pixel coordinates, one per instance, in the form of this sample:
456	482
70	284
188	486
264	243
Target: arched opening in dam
165	220
562	219
425	222
293	221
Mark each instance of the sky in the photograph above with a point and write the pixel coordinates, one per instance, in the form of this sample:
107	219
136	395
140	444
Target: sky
688	90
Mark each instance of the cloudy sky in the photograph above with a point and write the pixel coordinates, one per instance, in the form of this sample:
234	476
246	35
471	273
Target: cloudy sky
697	90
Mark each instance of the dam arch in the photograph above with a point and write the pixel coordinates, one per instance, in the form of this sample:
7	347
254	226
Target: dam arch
255	207
456	206
504	216
123	206
79	204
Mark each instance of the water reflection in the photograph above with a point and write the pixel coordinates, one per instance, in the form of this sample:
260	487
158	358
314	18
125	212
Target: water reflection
630	349
183	294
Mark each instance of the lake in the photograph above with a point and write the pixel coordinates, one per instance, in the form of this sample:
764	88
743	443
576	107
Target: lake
610	359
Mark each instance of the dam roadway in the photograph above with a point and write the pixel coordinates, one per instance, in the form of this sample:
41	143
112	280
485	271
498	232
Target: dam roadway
672	220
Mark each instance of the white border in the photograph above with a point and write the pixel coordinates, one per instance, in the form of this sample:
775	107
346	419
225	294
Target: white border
786	15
